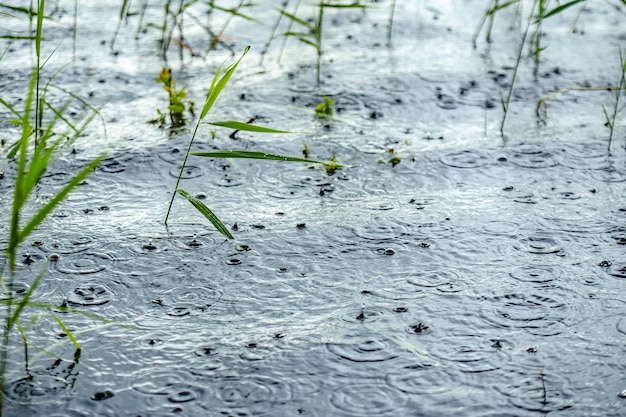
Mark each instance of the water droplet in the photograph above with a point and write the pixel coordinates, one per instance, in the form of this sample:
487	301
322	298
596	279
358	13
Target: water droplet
149	245
99	396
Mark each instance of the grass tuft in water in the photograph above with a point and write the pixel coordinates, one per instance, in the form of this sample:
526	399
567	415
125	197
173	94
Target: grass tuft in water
219	82
610	119
35	149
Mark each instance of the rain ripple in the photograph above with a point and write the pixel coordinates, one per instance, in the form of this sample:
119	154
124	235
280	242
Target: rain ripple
366	398
537	314
169	387
529	155
363	348
536	391
466	159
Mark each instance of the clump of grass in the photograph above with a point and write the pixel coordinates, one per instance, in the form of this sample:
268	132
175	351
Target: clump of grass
219	82
505	101
35	149
177	105
539	12
610	119
312	33
325	108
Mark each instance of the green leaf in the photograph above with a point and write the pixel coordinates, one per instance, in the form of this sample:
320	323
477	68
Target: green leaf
297	19
57	199
218	85
206	212
248	127
258	155
67	332
23	302
501	6
345	6
558	10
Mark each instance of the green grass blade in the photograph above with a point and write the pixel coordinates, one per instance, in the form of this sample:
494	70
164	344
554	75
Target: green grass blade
235	12
345	6
296	19
259	155
248	127
68	332
10	108
25	299
18	194
39	33
57	199
29	11
500	7
206	212
559	9
217	86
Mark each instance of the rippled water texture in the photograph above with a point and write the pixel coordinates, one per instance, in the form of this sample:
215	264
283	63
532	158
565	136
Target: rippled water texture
480	276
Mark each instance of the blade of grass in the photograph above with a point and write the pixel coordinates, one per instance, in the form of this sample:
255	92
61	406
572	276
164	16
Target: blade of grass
249	127
206	212
58	198
25	299
559	9
217	86
67	332
259	155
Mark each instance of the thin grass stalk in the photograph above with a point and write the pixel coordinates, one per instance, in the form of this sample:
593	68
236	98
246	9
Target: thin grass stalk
38	36
284	44
74	30
230	17
123	14
622	84
164	40
318	41
537	35
142	15
391	17
180	173
506	102
266	47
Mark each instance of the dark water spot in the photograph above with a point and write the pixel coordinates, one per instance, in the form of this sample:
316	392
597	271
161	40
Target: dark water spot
89	294
102	395
384	251
616	270
418	328
179	311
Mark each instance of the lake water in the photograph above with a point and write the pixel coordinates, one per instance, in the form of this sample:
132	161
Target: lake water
482	275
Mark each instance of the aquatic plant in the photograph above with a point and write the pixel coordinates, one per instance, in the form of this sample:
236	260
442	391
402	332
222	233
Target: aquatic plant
325	108
392	11
219	82
539	12
312	33
610	119
177	104
232	13
506	100
35	149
